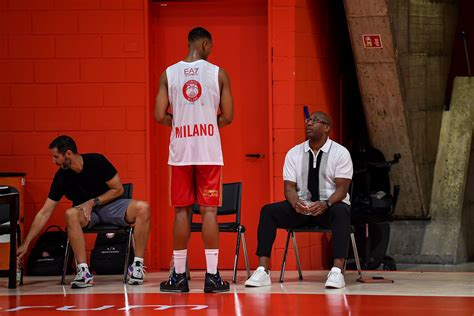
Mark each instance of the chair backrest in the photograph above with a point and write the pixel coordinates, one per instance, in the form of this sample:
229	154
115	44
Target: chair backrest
127	190
9	198
231	200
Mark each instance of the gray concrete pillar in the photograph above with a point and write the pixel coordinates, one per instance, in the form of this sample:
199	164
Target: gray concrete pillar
448	237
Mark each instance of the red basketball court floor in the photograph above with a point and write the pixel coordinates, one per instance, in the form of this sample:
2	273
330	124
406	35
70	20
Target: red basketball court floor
413	293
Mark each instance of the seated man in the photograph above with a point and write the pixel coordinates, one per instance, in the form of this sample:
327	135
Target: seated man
317	174
93	185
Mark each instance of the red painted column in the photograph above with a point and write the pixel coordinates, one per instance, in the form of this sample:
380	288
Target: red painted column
304	72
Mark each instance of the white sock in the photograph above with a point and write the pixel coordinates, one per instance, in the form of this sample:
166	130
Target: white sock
83	265
212	256
138	259
179	258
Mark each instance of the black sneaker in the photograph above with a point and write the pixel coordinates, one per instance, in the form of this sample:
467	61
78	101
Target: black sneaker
215	284
178	282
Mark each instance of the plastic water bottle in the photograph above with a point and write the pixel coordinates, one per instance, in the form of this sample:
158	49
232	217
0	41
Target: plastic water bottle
19	271
306	197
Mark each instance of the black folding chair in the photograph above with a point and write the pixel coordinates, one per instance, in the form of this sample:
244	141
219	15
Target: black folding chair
231	204
315	229
9	213
312	229
106	228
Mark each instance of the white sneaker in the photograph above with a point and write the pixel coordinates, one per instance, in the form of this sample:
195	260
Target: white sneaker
83	279
335	279
259	278
136	273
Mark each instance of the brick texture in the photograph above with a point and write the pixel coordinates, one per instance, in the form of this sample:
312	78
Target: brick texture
73	67
78	67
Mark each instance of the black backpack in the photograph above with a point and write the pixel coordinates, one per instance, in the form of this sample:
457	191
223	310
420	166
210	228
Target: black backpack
372	199
108	255
47	255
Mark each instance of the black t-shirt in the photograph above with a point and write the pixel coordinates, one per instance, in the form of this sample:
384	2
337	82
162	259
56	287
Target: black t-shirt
86	185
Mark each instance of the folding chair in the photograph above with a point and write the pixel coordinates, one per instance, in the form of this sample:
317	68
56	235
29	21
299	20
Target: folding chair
106	228
9	213
312	229
315	229
231	203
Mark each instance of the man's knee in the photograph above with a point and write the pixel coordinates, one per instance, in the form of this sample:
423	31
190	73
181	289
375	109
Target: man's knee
266	211
208	210
71	216
142	210
182	213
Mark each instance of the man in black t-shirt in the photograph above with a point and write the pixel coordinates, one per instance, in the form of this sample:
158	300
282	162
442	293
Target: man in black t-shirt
93	185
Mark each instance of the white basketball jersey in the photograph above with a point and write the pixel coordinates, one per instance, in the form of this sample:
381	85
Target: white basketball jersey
194	96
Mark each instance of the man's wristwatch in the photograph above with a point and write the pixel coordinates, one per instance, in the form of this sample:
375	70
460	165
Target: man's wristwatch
328	203
96	202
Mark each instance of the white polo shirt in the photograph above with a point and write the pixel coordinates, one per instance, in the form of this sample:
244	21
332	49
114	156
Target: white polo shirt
335	163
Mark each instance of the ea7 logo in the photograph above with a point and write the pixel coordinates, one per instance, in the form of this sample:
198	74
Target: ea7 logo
191	71
108	307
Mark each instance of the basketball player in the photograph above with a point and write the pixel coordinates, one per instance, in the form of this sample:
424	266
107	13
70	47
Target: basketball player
199	97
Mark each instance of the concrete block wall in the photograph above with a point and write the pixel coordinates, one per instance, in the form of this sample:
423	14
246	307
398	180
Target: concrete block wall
424	32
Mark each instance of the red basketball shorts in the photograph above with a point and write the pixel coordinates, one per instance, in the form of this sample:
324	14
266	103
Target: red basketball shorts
201	184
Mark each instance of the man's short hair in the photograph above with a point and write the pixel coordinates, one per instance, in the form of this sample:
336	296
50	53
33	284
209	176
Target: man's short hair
199	33
324	117
64	143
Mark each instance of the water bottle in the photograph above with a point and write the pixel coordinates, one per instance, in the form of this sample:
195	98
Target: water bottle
306	198
19	272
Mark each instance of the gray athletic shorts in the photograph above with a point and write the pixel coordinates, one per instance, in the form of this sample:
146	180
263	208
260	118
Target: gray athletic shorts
111	213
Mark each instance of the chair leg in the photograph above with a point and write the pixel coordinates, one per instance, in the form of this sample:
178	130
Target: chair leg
236	257
18	239
246	257
12	258
282	272
66	261
127	255
297	255
356	255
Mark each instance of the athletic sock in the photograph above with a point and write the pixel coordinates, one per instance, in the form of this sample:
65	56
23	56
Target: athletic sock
179	258
212	256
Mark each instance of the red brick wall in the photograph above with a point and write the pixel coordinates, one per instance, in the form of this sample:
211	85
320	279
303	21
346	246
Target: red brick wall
80	67
305	72
75	67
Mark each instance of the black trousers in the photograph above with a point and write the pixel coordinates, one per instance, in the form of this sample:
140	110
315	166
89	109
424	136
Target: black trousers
283	215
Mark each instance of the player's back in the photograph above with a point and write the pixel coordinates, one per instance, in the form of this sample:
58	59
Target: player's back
194	96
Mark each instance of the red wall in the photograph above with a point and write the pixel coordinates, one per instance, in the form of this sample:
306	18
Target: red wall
305	72
80	67
75	67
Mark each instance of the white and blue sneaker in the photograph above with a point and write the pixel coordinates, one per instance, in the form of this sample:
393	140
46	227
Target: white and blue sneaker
136	273
83	279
